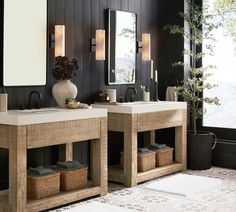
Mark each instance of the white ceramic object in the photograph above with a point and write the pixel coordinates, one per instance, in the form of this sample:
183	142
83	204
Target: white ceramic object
141	107
62	90
47	115
146	96
112	94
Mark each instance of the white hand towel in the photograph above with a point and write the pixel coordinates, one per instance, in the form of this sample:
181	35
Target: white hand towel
171	94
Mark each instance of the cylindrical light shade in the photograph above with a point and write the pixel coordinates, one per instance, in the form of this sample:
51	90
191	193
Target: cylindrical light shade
59	40
100	45
146	47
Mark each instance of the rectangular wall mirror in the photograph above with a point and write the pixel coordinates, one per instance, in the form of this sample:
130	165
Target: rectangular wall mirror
24	43
121	47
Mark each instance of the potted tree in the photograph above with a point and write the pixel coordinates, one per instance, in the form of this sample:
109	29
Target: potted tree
200	25
64	70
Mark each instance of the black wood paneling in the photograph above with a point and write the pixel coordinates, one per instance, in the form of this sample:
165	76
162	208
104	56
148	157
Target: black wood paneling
81	18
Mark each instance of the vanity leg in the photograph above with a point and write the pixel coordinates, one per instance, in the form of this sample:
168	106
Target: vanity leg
130	151
66	152
99	159
17	169
149	138
181	142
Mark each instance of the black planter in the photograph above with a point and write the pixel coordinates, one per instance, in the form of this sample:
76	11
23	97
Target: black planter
199	151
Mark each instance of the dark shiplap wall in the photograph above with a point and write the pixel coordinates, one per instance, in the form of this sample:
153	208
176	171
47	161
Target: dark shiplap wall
82	18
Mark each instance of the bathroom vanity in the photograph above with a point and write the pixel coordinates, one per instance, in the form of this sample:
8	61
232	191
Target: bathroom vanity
28	129
133	117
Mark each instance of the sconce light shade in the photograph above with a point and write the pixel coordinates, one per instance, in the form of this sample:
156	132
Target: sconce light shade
59	40
100	45
146	47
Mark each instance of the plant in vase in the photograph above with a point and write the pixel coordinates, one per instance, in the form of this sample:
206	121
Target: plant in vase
201	25
65	69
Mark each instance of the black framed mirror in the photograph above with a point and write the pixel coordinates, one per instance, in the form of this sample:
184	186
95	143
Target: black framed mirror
122	39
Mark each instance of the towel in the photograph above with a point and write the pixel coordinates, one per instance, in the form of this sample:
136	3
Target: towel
171	94
68	165
143	150
40	170
156	146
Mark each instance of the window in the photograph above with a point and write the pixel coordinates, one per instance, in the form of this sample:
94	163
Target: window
224	58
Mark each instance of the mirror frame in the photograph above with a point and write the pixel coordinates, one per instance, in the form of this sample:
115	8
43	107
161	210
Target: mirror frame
108	50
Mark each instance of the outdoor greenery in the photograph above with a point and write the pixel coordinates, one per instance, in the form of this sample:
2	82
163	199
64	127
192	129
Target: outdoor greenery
192	87
227	9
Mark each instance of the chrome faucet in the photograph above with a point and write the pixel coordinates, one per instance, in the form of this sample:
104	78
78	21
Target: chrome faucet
39	95
131	99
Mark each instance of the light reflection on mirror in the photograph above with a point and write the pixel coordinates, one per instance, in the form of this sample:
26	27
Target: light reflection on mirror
121	47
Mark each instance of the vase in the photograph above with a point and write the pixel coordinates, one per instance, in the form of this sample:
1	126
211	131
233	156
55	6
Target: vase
62	90
199	150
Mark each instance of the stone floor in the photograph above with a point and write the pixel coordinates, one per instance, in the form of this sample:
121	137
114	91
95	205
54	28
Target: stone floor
222	198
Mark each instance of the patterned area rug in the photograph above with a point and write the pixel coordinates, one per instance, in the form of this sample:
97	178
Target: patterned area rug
222	198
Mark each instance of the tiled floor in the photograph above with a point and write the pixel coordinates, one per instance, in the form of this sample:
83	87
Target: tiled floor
220	199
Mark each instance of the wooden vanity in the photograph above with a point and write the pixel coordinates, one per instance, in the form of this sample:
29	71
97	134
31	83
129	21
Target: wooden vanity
131	118
20	131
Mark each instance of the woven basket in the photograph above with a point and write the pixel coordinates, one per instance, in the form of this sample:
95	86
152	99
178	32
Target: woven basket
39	187
74	178
146	161
164	157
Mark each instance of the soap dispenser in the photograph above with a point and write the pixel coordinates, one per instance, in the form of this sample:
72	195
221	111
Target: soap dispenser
3	100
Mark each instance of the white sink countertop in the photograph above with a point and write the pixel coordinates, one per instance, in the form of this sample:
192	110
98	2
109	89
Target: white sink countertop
141	107
46	115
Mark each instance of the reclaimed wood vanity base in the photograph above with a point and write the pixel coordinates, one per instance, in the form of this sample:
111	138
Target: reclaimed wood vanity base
130	125
19	138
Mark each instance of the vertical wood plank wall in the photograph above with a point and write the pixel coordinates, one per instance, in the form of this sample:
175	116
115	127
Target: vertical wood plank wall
81	18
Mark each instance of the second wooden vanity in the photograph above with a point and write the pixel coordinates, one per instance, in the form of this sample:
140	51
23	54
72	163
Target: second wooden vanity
131	118
20	131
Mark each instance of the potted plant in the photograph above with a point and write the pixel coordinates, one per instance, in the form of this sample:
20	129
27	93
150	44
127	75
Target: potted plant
65	69
200	25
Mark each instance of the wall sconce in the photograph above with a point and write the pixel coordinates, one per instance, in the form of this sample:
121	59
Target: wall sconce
98	45
57	40
145	45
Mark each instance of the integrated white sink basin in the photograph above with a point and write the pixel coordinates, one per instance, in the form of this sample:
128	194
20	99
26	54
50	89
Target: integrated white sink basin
47	115
42	110
141	107
134	103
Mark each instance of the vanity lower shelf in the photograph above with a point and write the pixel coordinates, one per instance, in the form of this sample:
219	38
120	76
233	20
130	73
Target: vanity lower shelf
116	173
55	200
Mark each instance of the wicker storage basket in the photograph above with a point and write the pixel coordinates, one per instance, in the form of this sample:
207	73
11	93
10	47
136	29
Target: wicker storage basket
39	187
73	178
164	157
146	161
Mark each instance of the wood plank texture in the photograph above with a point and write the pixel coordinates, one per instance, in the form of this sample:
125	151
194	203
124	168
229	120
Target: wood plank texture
69	131
17	168
158	172
61	199
130	150
4	136
159	120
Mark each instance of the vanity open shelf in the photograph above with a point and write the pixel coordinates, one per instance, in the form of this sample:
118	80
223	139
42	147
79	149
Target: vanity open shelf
21	131
130	119
116	173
